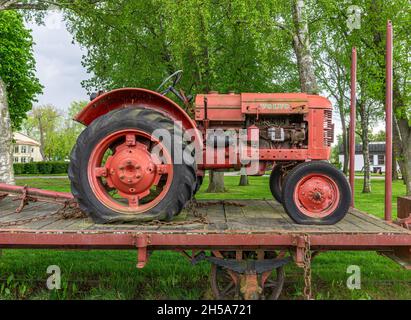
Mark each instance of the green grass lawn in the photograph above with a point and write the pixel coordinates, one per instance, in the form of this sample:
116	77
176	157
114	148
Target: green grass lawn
112	274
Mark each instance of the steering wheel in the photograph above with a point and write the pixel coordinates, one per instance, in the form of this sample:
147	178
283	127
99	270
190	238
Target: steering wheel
176	78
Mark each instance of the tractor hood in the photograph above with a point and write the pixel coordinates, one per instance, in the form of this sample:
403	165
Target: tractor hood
234	107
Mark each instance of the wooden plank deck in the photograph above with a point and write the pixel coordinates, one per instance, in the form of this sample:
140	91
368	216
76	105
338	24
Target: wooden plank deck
253	216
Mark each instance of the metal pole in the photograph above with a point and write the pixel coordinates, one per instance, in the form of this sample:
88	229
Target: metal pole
353	121
388	125
7	188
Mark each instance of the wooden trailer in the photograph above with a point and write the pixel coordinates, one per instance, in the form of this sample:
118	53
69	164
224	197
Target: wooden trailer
247	242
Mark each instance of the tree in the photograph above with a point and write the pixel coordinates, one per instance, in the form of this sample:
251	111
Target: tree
18	83
6	137
42	5
243	178
223	46
369	38
57	133
42	123
302	49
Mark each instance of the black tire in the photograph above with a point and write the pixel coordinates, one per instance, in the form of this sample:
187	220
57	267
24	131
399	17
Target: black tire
147	120
276	183
199	183
324	168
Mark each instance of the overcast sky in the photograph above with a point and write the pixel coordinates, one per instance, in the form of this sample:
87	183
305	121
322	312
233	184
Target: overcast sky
58	63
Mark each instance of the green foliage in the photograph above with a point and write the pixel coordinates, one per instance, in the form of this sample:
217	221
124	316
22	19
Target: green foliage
377	137
54	167
30	168
60	167
224	45
18	168
56	132
17	65
45	167
335	160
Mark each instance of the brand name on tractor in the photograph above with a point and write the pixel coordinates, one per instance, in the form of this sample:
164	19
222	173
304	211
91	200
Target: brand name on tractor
275	106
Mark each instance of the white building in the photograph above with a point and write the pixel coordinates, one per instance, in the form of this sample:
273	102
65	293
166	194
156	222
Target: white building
377	157
25	149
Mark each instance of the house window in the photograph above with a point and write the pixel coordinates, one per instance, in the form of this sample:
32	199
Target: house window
16	160
16	149
23	160
31	159
32	150
381	160
23	149
371	159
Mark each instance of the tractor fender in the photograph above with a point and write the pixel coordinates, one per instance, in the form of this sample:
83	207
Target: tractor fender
141	98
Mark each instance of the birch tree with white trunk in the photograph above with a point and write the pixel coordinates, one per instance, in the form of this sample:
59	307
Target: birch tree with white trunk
6	136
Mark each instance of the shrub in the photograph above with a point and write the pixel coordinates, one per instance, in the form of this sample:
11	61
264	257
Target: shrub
60	167
31	168
44	167
18	168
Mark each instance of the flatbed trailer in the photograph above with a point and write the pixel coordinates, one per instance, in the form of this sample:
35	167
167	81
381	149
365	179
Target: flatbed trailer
245	240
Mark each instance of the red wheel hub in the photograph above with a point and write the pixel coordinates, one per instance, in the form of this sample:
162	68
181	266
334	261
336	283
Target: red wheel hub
131	170
317	195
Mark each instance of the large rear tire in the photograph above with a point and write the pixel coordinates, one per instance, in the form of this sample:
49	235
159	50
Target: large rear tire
316	193
114	176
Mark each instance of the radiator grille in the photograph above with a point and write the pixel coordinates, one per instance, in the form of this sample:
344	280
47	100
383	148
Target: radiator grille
328	128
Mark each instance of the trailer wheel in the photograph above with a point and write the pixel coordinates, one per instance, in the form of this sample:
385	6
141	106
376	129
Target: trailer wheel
226	284
276	182
316	193
121	170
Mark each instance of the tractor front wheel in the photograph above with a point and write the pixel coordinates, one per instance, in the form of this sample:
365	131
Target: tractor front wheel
123	168
316	193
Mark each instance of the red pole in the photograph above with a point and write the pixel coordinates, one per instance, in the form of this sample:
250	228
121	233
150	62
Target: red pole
7	188
353	121
388	125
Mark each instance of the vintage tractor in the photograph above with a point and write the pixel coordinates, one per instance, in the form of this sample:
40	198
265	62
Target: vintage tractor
124	167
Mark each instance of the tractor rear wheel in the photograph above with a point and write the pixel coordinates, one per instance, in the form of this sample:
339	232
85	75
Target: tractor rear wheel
123	168
316	193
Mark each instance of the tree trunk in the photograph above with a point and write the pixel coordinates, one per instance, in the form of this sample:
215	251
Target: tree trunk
403	136
407	176
6	139
42	152
216	184
366	155
394	166
244	178
301	44
405	131
397	147
344	137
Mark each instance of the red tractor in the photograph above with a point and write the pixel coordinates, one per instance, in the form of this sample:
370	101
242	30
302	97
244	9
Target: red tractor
121	170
